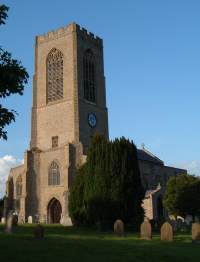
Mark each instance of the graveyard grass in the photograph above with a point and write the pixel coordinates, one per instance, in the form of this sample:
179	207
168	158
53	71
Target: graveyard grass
75	244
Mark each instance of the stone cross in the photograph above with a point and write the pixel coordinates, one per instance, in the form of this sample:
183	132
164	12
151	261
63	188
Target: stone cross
196	232
166	232
119	228
146	231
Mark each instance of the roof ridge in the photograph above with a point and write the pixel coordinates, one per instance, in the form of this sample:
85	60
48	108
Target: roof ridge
151	154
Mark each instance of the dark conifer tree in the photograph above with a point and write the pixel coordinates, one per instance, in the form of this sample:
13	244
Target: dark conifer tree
111	187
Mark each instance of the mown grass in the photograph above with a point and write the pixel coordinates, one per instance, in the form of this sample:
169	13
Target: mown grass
75	244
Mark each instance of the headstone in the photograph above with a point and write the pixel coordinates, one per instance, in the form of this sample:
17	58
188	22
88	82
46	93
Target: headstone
119	228
15	220
146	231
66	221
36	219
166	232
30	220
196	232
9	223
3	220
39	231
21	220
174	224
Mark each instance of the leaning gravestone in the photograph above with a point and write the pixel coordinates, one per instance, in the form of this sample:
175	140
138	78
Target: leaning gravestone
166	232
39	231
119	228
3	220
196	232
146	231
9	223
30	220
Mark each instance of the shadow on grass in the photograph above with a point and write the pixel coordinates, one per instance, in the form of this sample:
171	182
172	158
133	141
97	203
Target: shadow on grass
81	244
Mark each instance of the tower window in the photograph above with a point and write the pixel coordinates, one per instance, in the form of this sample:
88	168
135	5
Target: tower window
54	141
89	76
54	66
54	174
19	186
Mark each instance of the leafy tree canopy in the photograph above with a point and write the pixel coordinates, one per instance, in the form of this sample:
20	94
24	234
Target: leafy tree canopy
13	77
3	13
183	195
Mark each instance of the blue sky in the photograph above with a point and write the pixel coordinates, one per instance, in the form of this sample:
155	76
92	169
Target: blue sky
152	69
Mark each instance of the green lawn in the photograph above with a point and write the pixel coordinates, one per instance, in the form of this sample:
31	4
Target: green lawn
73	244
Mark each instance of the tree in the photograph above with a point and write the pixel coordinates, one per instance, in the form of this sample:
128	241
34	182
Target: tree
1	206
183	196
13	77
108	185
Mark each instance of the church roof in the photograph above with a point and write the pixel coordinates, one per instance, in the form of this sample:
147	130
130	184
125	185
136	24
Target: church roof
145	155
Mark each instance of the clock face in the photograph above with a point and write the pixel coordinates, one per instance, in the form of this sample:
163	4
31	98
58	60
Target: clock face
92	120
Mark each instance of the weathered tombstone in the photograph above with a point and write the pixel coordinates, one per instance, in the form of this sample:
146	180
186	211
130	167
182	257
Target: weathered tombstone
21	220
36	219
196	232
183	227
66	220
166	232
15	220
30	220
119	228
9	223
39	231
3	220
146	231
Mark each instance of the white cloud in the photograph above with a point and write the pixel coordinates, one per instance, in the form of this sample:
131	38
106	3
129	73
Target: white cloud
6	162
193	167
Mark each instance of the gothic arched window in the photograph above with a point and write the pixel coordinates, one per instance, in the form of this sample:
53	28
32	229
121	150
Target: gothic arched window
89	76
54	174
54	66
19	186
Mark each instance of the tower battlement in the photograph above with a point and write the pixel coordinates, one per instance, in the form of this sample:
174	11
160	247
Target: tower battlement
62	31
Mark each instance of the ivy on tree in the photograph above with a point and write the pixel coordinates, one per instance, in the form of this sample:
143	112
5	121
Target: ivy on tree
13	77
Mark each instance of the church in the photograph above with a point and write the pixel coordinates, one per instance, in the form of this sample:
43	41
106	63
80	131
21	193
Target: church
69	108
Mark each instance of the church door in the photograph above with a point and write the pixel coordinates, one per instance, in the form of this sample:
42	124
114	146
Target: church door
54	211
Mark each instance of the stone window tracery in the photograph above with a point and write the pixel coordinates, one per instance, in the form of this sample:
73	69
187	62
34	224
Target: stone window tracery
89	76
54	66
54	174
19	186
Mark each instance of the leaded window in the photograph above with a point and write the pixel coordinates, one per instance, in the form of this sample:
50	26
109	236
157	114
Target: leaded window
54	174
19	186
55	141
89	76
54	70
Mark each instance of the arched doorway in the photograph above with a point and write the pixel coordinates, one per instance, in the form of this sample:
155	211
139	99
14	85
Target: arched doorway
54	211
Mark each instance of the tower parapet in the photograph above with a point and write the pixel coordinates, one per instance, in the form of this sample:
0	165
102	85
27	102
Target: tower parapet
73	27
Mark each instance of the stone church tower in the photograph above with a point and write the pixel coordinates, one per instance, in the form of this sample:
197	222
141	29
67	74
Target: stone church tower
69	108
